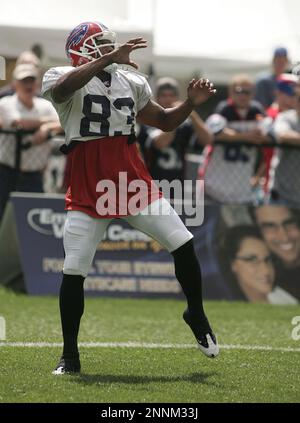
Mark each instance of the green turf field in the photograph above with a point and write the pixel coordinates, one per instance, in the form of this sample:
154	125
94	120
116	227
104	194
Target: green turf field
150	373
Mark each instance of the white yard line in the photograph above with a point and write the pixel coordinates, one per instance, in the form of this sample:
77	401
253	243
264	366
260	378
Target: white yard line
144	345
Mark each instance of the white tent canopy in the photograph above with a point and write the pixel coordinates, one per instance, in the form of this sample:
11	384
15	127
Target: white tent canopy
216	38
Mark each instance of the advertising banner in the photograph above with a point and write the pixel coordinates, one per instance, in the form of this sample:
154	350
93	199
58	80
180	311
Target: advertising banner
250	254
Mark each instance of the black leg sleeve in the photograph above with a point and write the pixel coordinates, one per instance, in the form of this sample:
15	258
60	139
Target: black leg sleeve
188	273
71	303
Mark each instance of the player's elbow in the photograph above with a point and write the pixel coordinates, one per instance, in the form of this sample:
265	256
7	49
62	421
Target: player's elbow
164	122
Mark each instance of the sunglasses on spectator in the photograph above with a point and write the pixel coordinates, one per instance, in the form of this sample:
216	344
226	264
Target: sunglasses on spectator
245	91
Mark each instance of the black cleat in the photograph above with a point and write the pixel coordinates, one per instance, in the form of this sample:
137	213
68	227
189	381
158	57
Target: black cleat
67	365
203	333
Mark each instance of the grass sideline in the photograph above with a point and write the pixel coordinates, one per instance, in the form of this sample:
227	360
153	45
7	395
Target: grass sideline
119	374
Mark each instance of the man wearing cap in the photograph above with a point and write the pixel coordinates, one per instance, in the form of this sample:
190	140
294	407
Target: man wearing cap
266	83
285	86
22	169
26	57
284	182
284	100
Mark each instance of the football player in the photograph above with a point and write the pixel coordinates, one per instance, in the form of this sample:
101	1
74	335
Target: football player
98	102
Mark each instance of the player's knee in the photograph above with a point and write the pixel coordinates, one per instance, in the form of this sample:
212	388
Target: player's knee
178	238
187	249
76	266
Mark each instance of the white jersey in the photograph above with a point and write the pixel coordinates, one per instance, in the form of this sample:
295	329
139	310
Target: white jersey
100	108
228	168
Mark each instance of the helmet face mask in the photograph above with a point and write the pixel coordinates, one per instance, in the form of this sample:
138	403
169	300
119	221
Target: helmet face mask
85	42
92	45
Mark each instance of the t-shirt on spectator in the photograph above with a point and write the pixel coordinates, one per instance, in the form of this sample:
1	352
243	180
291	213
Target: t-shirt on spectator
168	163
22	161
284	182
228	168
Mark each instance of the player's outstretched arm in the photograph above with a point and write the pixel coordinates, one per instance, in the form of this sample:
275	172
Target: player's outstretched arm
72	81
80	76
168	119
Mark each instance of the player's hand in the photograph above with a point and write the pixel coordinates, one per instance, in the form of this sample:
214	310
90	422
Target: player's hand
121	54
200	90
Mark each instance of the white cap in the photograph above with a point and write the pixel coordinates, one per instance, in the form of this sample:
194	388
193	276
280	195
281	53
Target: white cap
25	70
28	57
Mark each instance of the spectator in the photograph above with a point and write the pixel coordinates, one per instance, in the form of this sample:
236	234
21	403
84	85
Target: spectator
284	185
27	57
280	228
165	151
248	267
228	169
22	169
266	82
285	91
284	100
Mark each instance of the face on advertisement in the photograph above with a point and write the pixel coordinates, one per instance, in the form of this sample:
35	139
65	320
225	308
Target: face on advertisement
253	269
281	232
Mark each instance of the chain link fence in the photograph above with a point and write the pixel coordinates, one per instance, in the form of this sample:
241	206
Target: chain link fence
233	173
245	173
18	152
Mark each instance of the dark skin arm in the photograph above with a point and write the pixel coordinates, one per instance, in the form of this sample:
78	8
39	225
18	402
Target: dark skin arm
168	119
204	136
